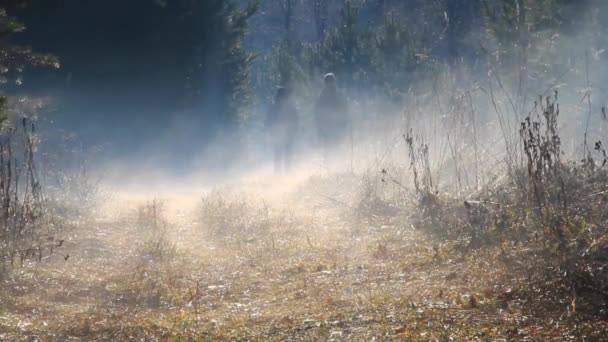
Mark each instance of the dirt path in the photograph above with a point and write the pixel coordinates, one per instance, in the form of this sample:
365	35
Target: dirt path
310	278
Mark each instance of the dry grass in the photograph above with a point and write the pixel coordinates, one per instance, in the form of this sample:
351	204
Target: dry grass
30	226
303	278
459	244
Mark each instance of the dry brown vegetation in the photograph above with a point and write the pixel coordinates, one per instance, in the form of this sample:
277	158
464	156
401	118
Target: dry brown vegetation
410	249
30	225
321	268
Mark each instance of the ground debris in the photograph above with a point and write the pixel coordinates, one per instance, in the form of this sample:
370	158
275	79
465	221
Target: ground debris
292	283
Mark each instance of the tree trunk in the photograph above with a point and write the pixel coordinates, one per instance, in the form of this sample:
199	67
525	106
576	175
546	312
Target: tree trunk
524	41
319	10
288	8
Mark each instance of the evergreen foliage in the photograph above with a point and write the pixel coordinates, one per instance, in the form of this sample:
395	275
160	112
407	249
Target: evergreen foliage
218	73
14	59
383	48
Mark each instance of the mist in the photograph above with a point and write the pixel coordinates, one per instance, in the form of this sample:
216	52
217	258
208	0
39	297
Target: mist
303	170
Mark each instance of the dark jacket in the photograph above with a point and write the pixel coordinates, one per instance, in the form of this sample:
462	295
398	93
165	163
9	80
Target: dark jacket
282	121
331	115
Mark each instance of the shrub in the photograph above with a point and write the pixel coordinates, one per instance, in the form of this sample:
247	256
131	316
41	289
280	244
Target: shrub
29	227
233	218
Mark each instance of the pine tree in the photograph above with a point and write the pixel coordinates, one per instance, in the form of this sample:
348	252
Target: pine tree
394	60
13	59
344	50
218	76
462	18
523	32
320	13
521	28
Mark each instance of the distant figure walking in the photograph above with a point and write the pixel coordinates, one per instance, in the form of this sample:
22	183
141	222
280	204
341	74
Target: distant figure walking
331	115
282	125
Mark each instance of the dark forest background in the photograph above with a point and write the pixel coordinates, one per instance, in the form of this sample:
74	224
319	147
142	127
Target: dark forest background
137	74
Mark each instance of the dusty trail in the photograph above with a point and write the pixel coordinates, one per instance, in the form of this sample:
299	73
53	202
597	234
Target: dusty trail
314	276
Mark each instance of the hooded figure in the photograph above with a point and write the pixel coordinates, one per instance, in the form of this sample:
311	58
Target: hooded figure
282	125
331	114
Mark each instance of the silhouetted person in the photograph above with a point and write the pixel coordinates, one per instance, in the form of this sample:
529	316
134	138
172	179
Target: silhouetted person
282	125
331	115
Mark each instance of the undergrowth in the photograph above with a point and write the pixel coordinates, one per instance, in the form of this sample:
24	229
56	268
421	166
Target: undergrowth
233	218
30	228
550	205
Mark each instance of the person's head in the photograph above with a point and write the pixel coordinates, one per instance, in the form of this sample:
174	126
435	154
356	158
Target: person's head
282	94
329	80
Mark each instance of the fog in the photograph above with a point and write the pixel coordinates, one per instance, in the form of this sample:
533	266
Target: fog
303	170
